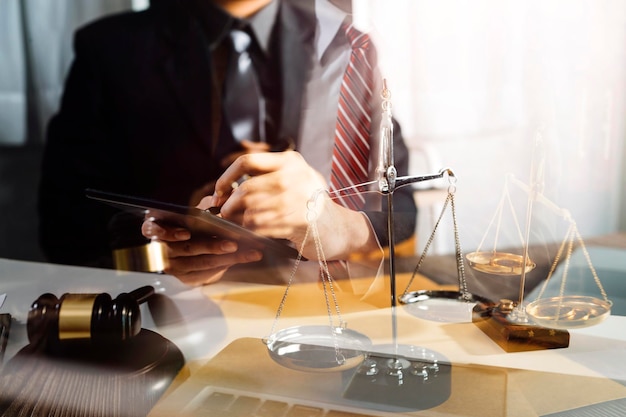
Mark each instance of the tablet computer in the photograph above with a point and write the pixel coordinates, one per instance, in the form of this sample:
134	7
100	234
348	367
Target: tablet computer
198	222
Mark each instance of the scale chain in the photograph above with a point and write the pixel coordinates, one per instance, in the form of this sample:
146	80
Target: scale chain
457	243
459	253
324	274
569	240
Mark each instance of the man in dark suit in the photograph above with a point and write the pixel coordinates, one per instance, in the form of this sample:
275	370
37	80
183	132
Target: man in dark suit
141	115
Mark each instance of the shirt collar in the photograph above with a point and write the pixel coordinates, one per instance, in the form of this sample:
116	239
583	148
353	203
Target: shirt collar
217	22
262	23
329	21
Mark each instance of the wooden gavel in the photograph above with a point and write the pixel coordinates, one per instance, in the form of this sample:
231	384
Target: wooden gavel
86	317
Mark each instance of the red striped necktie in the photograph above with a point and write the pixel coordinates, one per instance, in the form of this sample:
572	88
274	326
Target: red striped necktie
352	132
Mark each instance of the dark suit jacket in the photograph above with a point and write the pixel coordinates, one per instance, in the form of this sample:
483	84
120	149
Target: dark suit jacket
135	118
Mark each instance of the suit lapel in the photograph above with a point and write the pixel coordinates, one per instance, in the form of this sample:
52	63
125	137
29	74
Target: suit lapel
297	20
187	69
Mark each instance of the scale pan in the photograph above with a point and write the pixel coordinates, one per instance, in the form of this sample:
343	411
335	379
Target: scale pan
441	306
568	312
318	348
499	263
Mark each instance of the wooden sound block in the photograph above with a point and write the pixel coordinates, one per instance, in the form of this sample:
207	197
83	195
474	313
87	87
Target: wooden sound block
126	379
493	319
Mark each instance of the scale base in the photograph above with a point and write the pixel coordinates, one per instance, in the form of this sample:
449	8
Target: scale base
495	321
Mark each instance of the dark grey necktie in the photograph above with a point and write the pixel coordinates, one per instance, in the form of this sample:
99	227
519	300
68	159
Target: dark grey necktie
242	93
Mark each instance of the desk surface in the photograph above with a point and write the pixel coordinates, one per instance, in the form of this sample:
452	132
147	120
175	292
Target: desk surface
202	321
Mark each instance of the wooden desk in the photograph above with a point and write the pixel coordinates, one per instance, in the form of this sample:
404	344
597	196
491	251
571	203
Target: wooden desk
202	321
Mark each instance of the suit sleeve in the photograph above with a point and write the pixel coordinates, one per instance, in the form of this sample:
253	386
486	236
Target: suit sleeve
78	155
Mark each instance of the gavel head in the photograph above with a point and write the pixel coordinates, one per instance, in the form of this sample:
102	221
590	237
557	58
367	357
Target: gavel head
83	317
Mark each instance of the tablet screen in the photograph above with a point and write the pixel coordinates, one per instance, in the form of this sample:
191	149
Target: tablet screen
198	222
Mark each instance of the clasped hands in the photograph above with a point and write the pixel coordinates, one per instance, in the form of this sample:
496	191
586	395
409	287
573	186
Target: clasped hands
273	203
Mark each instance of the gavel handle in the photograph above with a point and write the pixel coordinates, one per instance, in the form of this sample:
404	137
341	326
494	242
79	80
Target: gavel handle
142	294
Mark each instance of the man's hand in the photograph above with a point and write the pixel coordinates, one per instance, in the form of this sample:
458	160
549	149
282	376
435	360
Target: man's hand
277	201
246	147
197	261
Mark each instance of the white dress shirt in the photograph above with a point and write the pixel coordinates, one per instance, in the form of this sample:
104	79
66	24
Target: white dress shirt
321	97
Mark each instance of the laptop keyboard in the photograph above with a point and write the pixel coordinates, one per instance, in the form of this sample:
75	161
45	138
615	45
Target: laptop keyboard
226	403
